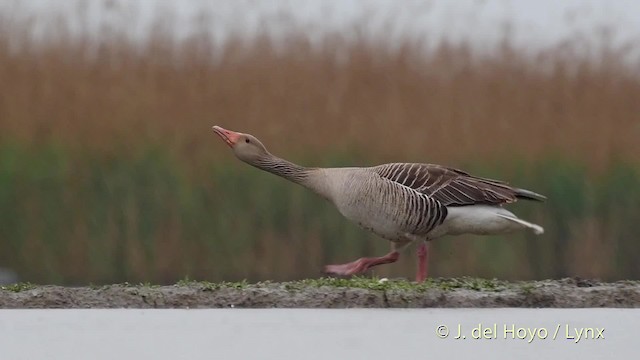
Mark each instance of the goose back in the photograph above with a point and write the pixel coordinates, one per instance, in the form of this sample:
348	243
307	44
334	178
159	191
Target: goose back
451	187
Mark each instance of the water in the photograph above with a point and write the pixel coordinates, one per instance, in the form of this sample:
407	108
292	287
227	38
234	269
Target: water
318	334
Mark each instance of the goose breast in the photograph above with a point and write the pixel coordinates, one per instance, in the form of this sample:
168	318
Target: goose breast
388	209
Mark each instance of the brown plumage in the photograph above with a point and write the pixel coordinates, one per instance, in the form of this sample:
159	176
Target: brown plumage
453	187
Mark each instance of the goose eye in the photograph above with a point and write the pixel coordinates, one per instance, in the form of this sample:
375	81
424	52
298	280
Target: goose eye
247	141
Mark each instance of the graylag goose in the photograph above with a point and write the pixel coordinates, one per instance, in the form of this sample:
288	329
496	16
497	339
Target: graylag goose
401	202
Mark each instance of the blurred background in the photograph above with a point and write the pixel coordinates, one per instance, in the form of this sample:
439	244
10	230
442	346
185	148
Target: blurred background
109	171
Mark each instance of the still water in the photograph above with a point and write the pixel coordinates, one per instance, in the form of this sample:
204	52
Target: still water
319	334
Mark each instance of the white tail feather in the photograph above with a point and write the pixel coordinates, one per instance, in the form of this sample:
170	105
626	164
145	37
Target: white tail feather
537	229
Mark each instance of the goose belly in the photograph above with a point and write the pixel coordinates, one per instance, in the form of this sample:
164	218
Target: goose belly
370	202
381	219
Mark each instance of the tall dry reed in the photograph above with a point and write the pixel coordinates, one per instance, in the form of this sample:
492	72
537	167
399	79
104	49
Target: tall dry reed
109	170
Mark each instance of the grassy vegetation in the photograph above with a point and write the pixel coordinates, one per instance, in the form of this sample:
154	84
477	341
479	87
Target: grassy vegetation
375	283
210	286
18	287
109	172
143	219
362	282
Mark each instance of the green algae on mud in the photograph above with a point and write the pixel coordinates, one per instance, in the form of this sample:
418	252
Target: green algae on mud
357	292
376	283
361	282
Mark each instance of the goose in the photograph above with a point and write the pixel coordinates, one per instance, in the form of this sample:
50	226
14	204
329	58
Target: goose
402	202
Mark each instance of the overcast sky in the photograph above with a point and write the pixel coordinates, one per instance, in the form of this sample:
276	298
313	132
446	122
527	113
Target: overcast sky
534	21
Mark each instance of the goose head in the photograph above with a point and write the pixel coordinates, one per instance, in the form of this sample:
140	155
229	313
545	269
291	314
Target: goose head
246	147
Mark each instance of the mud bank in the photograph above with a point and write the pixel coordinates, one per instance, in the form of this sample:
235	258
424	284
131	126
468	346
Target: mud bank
331	293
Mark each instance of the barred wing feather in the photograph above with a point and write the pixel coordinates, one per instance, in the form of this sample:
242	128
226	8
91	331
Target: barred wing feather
451	187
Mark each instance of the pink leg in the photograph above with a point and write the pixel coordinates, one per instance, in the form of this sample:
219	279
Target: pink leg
423	261
361	265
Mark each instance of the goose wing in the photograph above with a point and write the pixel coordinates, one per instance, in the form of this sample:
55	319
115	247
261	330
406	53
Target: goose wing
451	187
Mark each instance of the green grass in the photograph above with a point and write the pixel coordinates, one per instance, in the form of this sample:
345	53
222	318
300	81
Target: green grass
209	286
70	218
361	282
527	288
384	284
18	287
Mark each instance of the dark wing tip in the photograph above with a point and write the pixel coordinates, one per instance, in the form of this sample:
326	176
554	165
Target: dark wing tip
529	195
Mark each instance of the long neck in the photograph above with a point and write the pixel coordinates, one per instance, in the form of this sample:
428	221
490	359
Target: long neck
288	170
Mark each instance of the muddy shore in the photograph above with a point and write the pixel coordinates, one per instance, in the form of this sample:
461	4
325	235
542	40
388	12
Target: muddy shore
331	293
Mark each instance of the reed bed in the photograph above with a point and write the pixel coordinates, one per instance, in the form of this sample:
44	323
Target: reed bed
109	170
